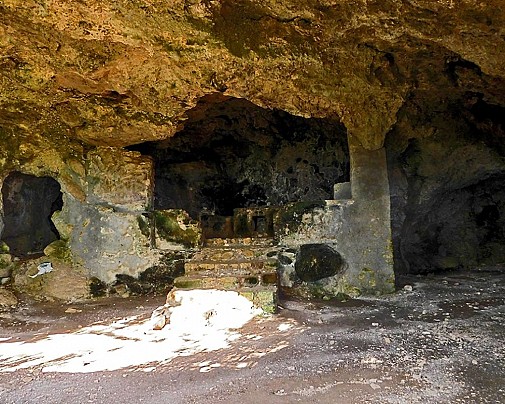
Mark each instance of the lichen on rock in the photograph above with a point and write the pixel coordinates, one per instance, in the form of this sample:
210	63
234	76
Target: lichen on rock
83	86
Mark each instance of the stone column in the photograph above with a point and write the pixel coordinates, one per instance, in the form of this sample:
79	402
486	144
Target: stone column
369	231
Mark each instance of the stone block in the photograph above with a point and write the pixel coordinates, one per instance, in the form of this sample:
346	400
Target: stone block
64	282
194	282
6	265
175	229
107	242
266	299
120	178
342	190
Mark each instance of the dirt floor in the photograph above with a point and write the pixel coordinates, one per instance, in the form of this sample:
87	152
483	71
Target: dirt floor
438	340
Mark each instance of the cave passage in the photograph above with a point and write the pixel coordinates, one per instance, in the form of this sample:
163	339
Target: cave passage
28	204
464	229
233	154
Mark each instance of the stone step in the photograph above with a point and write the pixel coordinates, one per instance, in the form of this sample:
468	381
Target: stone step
245	265
233	254
262	296
226	282
263	277
240	242
231	265
251	277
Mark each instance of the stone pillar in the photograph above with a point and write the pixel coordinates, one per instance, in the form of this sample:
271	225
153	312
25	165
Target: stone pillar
106	232
369	233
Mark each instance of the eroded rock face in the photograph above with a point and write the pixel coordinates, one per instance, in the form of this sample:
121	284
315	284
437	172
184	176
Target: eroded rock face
449	201
232	154
64	283
82	81
120	73
317	261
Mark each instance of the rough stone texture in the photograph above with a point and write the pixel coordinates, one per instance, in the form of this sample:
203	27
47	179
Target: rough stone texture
8	299
79	81
359	229
119	73
119	178
245	265
107	242
100	228
342	191
6	265
317	261
175	230
65	282
233	154
448	199
370	238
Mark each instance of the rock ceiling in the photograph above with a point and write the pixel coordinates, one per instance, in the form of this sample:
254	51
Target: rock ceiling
118	73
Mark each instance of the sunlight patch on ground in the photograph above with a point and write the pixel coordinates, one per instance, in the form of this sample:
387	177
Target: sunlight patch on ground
206	320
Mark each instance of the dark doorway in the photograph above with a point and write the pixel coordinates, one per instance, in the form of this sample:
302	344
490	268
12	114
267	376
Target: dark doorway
28	204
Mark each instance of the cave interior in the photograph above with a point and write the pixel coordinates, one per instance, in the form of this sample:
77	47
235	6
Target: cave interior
233	157
447	190
28	205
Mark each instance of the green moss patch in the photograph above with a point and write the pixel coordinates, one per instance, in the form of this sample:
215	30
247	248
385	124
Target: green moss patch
176	226
290	216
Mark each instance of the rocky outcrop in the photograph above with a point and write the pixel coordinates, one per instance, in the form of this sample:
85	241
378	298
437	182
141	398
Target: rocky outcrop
63	283
81	82
120	73
8	300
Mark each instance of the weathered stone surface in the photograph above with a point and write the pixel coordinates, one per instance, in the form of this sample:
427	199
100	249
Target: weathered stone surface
6	265
176	230
126	81
8	300
359	229
448	198
233	154
265	299
119	178
80	82
106	242
158	278
317	261
64	282
342	191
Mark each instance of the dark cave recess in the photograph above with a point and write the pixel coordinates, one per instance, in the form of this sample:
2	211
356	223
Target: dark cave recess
448	189
28	204
233	154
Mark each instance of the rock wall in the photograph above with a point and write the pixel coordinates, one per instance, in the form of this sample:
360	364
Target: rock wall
103	194
447	197
81	81
351	239
232	153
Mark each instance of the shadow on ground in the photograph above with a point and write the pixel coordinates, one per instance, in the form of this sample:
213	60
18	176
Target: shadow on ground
441	341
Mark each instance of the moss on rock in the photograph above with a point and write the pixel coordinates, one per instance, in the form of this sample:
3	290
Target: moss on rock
59	250
176	226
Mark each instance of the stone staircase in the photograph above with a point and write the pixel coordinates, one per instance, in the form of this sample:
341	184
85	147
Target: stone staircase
245	265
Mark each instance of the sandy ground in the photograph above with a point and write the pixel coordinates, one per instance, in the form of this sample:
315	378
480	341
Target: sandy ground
442	342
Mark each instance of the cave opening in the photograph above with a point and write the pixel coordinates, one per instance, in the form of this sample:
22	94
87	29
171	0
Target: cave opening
28	205
233	154
448	194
